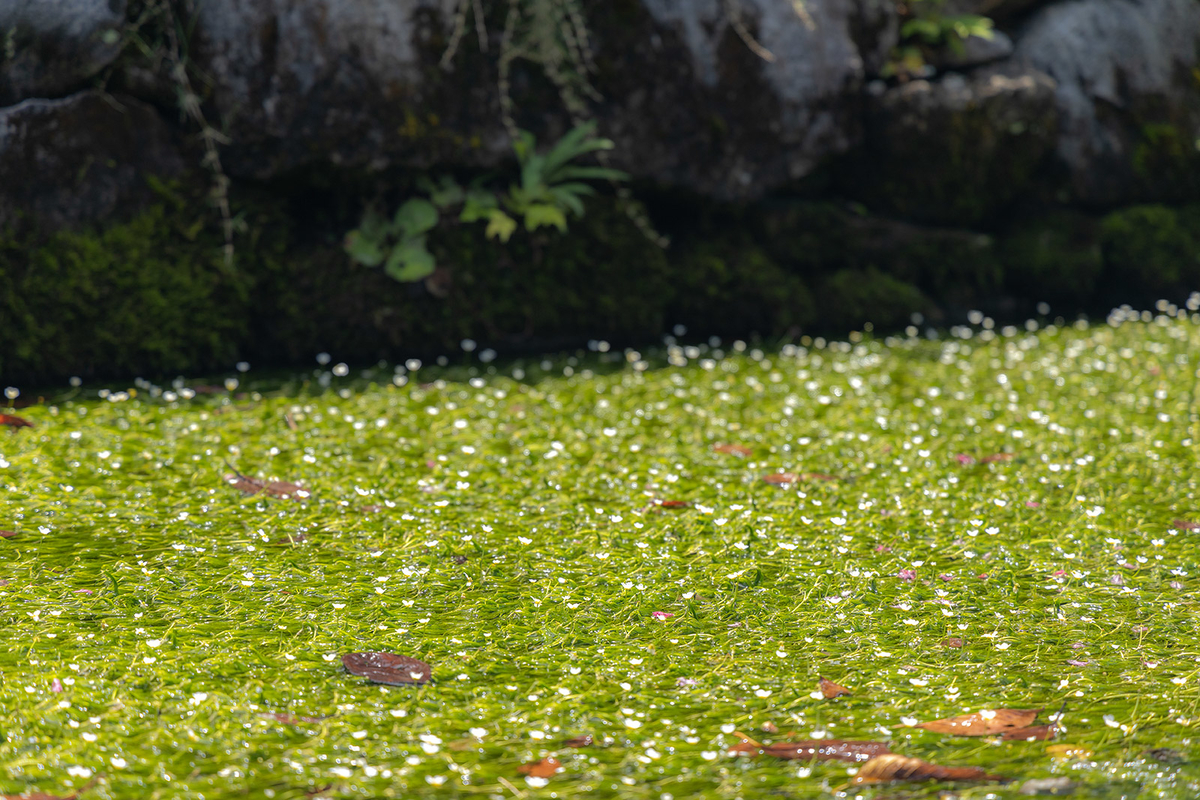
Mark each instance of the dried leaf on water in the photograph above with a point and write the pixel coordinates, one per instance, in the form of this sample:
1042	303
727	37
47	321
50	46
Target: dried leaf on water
673	504
584	740
546	768
291	719
891	767
1186	525
831	689
953	641
291	423
1164	755
733	449
780	478
387	668
983	723
252	486
819	476
853	752
1034	733
14	422
7	534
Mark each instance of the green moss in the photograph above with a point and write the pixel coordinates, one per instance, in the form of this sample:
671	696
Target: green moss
1055	257
1154	246
144	296
728	287
850	297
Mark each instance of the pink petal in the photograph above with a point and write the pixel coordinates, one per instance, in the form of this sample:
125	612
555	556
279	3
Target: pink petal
1032	504
662	615
1058	573
906	575
963	458
84	591
946	578
1074	663
56	686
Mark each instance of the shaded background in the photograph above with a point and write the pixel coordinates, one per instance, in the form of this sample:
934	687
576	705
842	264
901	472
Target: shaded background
816	165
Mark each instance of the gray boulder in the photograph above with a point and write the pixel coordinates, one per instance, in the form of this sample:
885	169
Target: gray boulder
356	82
51	47
976	51
1127	98
81	158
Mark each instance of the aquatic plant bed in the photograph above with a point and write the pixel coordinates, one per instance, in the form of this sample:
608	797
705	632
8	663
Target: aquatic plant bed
619	570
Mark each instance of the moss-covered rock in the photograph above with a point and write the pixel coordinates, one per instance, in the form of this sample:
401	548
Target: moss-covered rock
1154	248
734	288
850	297
146	296
1054	257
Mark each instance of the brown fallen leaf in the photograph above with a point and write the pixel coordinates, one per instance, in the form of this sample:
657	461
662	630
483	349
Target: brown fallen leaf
7	534
1186	525
996	457
769	727
1034	733
891	767
781	478
546	768
291	538
673	504
584	740
953	641
983	723
831	689
47	796
818	476
811	749
291	423
387	668
291	719
733	449
252	486
14	422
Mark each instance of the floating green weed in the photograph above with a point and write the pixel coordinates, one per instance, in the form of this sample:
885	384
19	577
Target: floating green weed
505	531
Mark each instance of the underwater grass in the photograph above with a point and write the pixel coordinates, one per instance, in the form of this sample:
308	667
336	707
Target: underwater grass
154	621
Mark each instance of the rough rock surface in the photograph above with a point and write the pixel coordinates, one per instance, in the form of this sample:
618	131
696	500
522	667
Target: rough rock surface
976	51
355	82
961	147
1125	81
49	47
80	158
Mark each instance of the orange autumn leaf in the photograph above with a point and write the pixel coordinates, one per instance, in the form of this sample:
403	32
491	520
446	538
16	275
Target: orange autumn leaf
14	422
831	689
673	504
546	768
983	723
733	449
891	767
780	478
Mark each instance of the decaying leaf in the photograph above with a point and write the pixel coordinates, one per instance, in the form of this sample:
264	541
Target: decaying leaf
291	719
1066	752
1186	525
387	668
891	767
780	478
953	641
7	534
983	723
831	689
1164	755
291	423
585	740
812	750
1034	733
673	504
252	486
291	538
818	476
546	768
14	422
733	449
996	457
